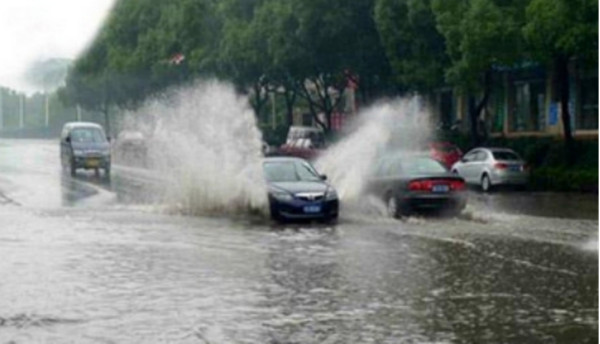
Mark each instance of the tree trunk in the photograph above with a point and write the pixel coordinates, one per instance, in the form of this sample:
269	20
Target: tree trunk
290	100
561	65
476	111
259	101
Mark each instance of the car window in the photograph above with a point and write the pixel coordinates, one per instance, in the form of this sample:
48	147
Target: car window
505	155
481	156
394	167
470	157
289	171
422	165
87	135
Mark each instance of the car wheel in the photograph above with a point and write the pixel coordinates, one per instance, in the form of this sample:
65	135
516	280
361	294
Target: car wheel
455	171
392	207
486	184
275	216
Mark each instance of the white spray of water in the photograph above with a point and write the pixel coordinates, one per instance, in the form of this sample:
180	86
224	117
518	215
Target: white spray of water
399	125
205	142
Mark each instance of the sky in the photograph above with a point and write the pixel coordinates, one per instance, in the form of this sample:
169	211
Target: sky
35	30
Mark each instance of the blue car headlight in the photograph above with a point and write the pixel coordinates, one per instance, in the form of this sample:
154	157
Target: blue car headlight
282	196
331	194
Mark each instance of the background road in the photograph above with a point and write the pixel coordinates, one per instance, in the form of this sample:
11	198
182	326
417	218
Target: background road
89	260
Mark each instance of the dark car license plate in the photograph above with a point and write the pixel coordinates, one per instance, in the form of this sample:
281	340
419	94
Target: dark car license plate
440	188
311	209
515	168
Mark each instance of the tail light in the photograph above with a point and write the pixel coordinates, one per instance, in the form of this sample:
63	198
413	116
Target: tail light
457	185
427	185
501	166
420	185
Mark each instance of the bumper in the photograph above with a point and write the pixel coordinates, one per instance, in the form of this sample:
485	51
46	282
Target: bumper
91	162
296	209
509	178
455	201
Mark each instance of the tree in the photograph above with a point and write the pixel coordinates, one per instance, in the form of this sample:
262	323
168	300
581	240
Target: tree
322	44
479	35
133	56
414	47
558	31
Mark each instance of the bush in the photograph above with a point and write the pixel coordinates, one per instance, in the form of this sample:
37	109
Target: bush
564	179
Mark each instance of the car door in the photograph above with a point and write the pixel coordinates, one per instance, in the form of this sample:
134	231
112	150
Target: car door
466	169
479	165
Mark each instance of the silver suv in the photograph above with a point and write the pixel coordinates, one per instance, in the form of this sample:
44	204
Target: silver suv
84	145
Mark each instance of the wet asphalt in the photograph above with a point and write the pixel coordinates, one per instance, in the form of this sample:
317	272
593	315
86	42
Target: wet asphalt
96	260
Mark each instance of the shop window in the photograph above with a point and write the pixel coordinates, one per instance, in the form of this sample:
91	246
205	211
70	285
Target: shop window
529	114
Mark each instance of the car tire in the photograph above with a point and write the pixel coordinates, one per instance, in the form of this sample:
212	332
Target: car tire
275	216
486	183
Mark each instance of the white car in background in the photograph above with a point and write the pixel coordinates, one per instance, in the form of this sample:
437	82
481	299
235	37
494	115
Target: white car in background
490	167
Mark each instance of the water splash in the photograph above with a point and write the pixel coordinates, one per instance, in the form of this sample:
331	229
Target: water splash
204	141
386	127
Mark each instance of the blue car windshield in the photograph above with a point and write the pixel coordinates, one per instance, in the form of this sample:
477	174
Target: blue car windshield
289	171
87	135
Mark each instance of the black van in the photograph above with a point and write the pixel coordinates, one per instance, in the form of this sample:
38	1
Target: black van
84	145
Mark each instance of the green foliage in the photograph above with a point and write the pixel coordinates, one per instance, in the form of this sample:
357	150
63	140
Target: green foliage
564	179
563	27
479	34
308	50
414	47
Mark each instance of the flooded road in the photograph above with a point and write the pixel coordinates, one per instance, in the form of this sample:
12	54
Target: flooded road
86	260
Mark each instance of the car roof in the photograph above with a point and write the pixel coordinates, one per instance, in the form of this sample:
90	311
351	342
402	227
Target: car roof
73	125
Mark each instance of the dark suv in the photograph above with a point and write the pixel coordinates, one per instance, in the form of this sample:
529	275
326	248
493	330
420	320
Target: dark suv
84	145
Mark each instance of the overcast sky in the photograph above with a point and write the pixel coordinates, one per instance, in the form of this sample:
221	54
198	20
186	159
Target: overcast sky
32	30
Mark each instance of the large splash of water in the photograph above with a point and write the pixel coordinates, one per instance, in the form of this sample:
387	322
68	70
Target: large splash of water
205	143
385	127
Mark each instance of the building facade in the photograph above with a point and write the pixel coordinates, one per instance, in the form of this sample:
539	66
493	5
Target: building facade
524	102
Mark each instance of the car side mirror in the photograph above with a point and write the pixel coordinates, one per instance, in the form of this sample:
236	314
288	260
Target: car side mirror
108	138
323	176
68	139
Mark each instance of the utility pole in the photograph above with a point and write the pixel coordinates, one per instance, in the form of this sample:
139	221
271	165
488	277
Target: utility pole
47	110
273	119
